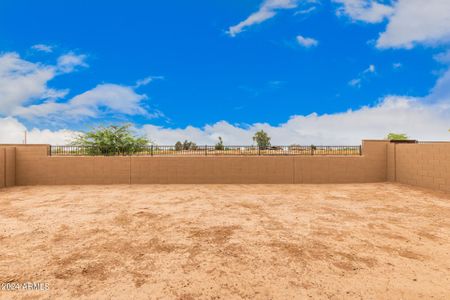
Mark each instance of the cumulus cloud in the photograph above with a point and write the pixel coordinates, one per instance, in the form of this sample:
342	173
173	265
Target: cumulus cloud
393	114
369	11
24	92
209	134
306	42
420	120
441	90
67	63
42	48
22	81
417	22
13	132
426	118
103	99
267	10
410	22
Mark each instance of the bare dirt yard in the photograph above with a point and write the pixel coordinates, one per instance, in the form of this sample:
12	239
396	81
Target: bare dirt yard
370	241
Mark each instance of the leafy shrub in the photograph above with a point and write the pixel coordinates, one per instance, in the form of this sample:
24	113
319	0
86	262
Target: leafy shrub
111	140
397	136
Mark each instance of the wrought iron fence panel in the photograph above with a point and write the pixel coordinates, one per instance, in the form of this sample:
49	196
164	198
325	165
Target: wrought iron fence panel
206	150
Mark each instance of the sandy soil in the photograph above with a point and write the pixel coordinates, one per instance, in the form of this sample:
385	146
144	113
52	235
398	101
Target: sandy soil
371	241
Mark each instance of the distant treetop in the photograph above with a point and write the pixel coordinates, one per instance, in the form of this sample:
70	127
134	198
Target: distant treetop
262	139
397	136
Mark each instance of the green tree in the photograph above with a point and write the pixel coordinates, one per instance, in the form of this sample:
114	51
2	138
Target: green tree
219	145
111	140
397	136
178	146
262	139
186	145
189	145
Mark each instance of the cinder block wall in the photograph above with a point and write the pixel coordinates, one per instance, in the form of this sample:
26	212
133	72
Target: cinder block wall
212	169
35	167
425	165
371	167
391	168
2	167
7	166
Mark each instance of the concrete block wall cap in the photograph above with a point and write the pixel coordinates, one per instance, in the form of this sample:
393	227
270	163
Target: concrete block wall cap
435	142
384	141
23	145
403	141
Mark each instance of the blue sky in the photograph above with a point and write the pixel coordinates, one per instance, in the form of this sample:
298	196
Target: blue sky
203	69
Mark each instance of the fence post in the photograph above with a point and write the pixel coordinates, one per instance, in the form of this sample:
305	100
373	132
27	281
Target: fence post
151	150
312	150
259	150
206	150
360	150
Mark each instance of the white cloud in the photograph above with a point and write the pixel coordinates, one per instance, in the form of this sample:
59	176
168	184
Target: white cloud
147	80
13	132
24	92
414	116
397	65
357	82
369	11
101	100
233	135
267	10
67	63
115	97
305	11
443	57
417	22
22	81
42	48
426	118
370	69
306	42
441	90
394	114
410	22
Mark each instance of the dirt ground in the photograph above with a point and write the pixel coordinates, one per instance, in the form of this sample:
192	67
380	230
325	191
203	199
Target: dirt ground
370	241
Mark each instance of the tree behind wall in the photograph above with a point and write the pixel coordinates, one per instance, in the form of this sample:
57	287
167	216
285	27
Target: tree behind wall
262	139
111	140
397	136
186	145
219	145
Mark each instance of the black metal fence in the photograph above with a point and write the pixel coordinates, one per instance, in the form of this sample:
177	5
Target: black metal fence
153	150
